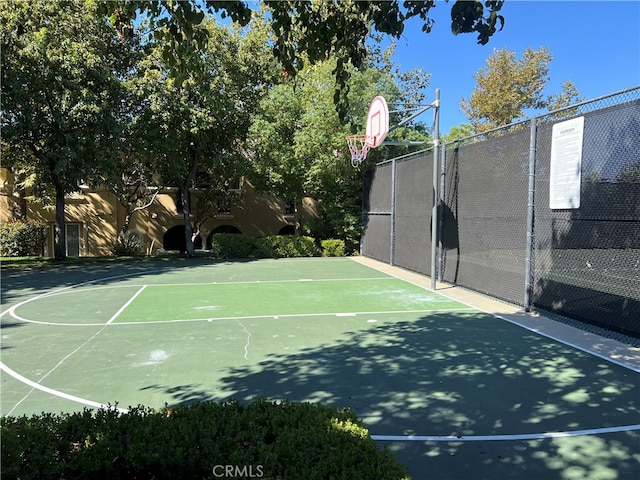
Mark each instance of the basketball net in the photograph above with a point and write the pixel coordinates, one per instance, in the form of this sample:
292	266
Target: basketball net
359	148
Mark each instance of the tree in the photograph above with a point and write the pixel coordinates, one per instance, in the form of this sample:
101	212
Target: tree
197	126
60	73
569	96
458	132
134	179
305	31
506	87
629	173
297	140
135	186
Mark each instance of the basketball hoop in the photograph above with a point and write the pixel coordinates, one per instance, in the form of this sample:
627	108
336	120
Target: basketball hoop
375	132
358	147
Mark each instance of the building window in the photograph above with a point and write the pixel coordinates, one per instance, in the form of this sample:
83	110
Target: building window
290	207
73	240
224	204
73	237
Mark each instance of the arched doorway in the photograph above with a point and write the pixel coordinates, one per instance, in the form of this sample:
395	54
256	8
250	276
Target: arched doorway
222	229
174	239
287	230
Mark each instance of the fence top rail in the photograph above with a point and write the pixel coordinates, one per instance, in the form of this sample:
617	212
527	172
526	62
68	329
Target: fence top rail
593	100
406	155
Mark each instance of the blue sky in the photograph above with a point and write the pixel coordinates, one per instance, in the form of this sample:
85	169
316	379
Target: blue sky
595	44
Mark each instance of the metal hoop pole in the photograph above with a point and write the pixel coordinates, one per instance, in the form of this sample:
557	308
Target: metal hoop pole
436	187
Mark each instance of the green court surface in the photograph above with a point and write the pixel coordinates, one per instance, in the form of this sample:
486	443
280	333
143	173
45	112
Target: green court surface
455	392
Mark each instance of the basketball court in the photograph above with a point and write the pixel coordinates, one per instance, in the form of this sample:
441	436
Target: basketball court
459	386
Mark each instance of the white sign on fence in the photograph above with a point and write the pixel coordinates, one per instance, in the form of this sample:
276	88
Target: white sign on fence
566	163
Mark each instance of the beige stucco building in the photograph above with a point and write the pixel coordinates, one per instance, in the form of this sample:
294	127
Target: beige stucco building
94	217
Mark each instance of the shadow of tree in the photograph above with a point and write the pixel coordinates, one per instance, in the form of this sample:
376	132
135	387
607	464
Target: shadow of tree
453	374
438	374
22	283
447	374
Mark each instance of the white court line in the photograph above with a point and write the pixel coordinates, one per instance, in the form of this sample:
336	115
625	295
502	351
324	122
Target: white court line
91	403
294	315
254	282
67	290
244	317
51	391
33	384
115	315
485	438
382	438
513	322
36	385
60	291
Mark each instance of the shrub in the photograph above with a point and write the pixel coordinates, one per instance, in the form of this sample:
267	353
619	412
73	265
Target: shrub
333	247
235	245
232	245
282	246
271	440
129	244
22	239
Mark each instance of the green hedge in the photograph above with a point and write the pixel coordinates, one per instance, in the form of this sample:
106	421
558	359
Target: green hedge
22	239
269	440
282	246
333	247
233	245
236	245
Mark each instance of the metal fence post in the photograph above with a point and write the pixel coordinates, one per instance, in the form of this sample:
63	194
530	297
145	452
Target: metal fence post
436	185
392	241
443	173
528	275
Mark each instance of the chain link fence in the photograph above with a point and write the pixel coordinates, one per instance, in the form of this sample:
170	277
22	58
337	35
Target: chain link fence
498	233
397	221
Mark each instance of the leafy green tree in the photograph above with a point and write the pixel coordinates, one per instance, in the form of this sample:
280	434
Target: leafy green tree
305	31
298	147
561	101
134	185
197	126
567	97
61	69
458	132
134	179
271	144
506	87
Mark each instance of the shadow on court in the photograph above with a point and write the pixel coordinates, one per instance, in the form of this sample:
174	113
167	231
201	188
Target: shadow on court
21	283
439	374
461	375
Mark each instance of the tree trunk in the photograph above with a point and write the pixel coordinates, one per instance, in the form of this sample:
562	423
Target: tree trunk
188	229
298	215
125	225
186	200
59	231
